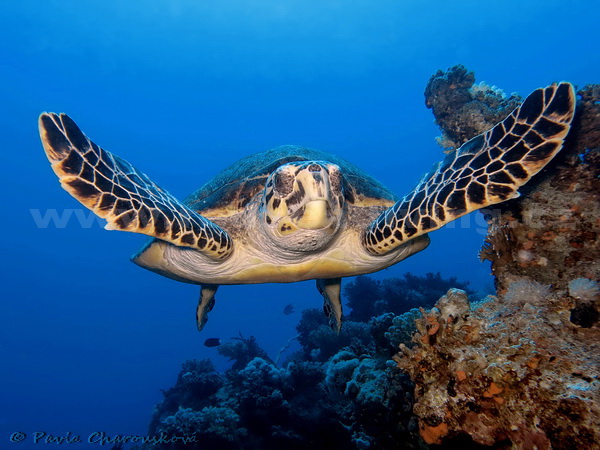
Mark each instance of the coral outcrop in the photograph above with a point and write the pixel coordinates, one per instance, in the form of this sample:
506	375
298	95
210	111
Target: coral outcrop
512	370
519	370
242	350
552	233
463	109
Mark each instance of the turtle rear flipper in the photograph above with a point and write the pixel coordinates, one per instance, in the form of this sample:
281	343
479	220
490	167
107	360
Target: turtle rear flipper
116	191
486	170
330	290
205	304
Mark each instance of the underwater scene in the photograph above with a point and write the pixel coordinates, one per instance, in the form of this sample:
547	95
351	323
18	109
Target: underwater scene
283	224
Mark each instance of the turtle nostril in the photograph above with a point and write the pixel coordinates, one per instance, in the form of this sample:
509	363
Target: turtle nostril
314	168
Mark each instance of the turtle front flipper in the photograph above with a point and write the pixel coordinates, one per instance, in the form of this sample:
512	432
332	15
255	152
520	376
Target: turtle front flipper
116	191
486	170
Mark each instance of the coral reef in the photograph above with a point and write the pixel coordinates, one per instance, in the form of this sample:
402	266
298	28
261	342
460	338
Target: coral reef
319	343
509	370
196	385
463	109
550	234
350	401
338	391
216	424
520	370
368	297
242	350
515	370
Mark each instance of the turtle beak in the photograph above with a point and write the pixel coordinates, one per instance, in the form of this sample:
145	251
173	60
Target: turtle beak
304	197
315	211
314	215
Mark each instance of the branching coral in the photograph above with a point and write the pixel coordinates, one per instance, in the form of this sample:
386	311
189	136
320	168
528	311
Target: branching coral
402	329
319	342
242	350
259	372
377	397
221	423
199	376
185	422
196	385
368	298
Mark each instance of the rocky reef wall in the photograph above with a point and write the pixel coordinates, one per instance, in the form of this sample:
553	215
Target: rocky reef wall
520	369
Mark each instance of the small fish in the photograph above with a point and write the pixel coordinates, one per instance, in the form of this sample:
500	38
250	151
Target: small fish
289	309
212	342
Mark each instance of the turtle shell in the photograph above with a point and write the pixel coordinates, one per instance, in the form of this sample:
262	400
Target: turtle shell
231	190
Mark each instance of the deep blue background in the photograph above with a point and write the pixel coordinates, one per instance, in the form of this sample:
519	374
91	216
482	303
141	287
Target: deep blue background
182	89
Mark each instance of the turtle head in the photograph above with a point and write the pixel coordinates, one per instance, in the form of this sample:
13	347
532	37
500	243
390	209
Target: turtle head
303	203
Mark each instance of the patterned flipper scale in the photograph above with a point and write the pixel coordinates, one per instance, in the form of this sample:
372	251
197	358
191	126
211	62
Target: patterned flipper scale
486	170
116	191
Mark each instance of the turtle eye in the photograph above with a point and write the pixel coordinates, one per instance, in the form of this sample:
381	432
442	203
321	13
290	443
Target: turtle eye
283	183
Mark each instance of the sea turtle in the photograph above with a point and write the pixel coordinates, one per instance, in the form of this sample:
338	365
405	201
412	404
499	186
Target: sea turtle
292	213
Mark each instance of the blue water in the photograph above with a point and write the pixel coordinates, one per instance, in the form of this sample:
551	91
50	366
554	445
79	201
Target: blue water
182	89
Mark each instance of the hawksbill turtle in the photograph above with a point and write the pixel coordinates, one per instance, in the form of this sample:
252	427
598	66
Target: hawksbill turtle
293	213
